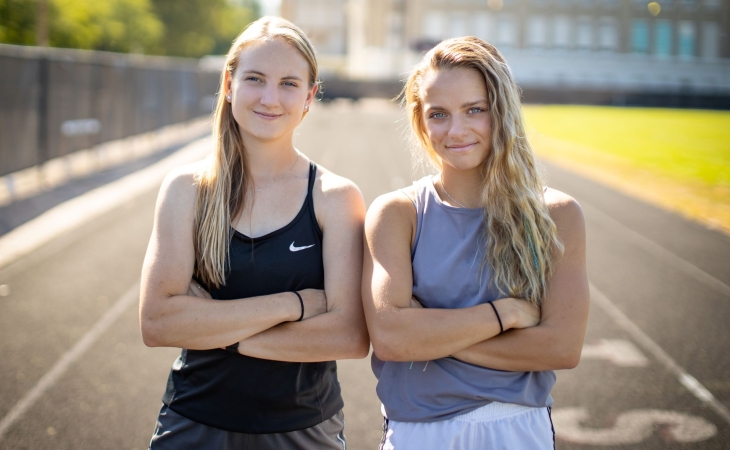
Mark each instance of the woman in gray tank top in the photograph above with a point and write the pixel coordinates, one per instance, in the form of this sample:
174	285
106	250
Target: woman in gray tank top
475	285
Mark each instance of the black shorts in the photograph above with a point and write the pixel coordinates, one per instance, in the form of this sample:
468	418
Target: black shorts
175	432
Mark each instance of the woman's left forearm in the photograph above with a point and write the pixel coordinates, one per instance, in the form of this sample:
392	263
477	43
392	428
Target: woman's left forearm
543	347
326	337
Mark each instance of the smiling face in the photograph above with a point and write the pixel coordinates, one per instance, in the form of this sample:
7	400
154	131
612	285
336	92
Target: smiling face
456	117
269	90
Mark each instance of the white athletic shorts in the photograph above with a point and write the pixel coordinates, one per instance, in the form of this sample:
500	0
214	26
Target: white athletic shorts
495	426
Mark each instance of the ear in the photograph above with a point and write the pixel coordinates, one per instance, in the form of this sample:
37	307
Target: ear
312	94
227	83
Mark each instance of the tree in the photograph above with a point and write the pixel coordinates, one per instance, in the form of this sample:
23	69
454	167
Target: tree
112	25
190	28
198	27
17	21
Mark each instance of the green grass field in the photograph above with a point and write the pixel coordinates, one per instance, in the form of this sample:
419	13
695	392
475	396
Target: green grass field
678	159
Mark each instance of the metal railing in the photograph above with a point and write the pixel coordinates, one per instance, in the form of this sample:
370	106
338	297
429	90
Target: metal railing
56	101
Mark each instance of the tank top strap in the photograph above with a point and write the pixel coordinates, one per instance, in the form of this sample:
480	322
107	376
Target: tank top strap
310	198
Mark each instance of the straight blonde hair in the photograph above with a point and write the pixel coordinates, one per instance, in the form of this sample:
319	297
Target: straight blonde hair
520	236
223	180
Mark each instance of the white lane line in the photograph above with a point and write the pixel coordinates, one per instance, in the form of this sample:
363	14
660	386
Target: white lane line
68	358
618	351
77	211
660	252
641	338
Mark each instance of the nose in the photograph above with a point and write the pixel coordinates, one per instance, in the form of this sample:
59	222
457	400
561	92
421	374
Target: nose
457	129
270	95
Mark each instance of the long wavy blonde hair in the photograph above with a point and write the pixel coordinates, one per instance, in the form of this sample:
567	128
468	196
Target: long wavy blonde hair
223	180
521	239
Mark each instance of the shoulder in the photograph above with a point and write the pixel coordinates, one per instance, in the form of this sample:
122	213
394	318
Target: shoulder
335	187
181	181
392	209
337	199
566	213
179	190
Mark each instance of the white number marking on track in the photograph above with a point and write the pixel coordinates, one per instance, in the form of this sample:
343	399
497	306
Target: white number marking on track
619	351
631	427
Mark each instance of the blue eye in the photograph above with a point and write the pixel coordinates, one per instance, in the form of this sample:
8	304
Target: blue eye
437	115
475	110
252	78
290	83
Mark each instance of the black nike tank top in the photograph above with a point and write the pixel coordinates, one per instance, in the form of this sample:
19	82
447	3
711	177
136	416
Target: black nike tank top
226	390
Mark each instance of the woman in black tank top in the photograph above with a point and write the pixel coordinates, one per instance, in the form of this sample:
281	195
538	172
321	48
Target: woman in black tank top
273	246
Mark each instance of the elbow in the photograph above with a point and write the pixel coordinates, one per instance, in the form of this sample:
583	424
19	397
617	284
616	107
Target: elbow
386	351
569	362
361	350
151	335
568	358
359	346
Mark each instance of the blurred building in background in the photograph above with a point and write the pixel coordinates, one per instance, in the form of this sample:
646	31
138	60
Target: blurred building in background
326	24
662	47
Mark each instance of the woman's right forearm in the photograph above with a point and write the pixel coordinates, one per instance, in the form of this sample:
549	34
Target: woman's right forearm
199	324
421	334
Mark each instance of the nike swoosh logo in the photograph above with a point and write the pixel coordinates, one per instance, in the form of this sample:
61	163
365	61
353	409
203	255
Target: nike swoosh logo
292	248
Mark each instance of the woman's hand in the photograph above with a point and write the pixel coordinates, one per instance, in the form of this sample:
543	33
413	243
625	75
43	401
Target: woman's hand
517	313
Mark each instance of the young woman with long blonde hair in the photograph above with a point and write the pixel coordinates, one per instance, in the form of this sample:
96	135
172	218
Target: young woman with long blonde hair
474	280
273	245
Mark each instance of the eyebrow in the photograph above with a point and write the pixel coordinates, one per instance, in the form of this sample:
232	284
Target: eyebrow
465	105
288	77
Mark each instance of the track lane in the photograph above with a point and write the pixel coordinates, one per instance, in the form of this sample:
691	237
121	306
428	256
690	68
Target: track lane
110	396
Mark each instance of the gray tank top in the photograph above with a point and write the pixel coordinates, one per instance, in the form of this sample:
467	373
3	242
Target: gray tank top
448	273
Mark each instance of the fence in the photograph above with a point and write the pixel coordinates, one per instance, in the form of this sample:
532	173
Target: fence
56	101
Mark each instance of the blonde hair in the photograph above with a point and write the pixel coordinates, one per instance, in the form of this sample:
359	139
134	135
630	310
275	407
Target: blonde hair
223	180
521	239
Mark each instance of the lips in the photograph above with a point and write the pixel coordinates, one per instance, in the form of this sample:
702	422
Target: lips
461	147
267	116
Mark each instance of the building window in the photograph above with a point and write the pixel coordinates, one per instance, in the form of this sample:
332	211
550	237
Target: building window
666	4
458	25
608	34
483	25
710	40
663	38
688	4
640	36
506	31
686	35
609	4
537	32
584	31
433	26
561	31
713	4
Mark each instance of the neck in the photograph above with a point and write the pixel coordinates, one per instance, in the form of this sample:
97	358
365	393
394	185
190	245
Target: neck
465	186
267	159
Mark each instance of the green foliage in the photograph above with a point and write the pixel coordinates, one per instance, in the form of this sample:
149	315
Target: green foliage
113	25
190	28
17	21
199	27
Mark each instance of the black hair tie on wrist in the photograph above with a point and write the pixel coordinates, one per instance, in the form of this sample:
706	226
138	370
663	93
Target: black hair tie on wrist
501	329
301	303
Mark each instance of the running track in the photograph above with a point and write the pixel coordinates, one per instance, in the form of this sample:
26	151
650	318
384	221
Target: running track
655	372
